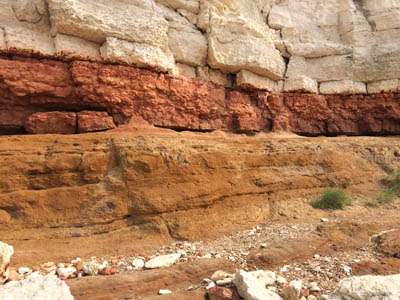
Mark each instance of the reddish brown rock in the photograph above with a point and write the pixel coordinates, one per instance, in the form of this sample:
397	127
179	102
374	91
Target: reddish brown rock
90	121
389	243
51	122
31	85
221	293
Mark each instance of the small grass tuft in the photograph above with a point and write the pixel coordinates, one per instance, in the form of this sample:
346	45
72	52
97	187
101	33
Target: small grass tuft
332	199
392	181
384	198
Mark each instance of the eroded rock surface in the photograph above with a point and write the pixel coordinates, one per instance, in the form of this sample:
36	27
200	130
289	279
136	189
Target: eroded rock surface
330	43
36	93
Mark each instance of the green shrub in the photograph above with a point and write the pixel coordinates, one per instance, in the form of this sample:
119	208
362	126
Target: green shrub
332	199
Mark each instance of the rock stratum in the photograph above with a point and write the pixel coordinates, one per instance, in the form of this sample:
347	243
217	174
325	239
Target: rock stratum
310	67
163	186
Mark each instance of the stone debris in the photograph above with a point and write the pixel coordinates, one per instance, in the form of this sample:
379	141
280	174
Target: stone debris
36	288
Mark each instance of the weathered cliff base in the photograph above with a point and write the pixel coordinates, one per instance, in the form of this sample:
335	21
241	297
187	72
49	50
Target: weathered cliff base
52	96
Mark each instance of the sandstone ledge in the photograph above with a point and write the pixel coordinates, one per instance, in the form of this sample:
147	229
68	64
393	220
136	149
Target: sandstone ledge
114	94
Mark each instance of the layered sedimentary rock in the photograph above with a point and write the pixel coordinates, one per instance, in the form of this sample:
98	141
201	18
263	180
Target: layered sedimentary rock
330	41
235	53
47	96
176	184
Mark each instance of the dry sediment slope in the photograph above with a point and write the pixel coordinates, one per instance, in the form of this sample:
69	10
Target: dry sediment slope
154	187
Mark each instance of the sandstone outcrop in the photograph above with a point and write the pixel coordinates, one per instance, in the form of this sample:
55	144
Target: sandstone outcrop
74	186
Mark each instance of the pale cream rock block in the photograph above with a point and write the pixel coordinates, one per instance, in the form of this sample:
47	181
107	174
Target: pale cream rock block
279	17
94	20
301	83
246	79
24	39
72	47
191	17
215	76
383	86
342	87
326	68
3	45
375	6
141	55
314	50
387	20
238	38
29	10
184	70
257	55
189	5
188	47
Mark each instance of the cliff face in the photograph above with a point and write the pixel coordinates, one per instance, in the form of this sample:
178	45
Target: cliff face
311	67
179	185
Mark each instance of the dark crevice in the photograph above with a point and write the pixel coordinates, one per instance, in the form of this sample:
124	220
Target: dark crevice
181	129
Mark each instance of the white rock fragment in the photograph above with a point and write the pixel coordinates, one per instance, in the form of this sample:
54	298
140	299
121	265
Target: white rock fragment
324	220
138	263
66	271
284	269
224	281
252	286
210	285
24	270
164	292
162	261
347	270
313	287
90	268
280	280
36	288
219	275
